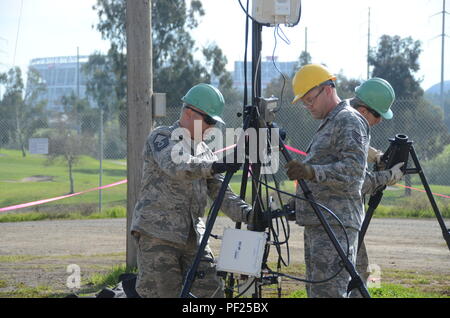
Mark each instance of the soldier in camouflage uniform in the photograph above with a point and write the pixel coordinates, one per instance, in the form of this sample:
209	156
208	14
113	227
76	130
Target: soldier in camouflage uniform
179	173
334	171
373	99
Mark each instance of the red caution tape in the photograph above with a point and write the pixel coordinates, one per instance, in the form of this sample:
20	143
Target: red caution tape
441	195
25	205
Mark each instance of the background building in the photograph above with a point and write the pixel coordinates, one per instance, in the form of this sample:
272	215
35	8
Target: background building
268	72
63	76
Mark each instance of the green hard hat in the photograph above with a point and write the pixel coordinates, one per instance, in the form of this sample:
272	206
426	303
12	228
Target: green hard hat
206	98
378	94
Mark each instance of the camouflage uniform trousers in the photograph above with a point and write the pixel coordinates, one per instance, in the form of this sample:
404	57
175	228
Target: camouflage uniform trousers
322	261
162	266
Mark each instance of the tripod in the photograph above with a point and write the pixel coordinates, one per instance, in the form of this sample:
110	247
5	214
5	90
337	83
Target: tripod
399	151
252	119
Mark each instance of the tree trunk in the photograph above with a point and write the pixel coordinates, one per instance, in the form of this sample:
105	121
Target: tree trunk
19	135
71	178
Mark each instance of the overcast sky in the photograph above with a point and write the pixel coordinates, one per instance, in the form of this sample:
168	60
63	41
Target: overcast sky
337	32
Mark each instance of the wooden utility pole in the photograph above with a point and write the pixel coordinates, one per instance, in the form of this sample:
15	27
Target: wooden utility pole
368	46
139	100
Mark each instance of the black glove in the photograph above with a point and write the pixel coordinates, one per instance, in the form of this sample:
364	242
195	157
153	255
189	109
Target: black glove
247	214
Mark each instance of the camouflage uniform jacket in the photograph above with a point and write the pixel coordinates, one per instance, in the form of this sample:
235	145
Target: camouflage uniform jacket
173	193
338	155
374	181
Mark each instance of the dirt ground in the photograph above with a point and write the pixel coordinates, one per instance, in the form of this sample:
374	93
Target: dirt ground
37	254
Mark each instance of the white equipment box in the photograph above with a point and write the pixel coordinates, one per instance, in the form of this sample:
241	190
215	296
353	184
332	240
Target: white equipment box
242	252
276	11
159	105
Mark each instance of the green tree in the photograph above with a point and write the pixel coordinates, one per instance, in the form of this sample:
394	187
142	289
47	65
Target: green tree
101	83
435	99
175	69
22	111
436	170
66	145
397	60
76	110
305	58
345	87
12	96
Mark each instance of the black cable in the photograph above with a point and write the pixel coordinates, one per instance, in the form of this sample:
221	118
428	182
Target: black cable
276	234
299	15
288	234
279	71
276	242
315	203
246	289
334	216
277	245
245	57
268	24
249	16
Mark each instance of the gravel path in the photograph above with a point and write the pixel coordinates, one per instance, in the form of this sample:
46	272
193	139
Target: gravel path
97	244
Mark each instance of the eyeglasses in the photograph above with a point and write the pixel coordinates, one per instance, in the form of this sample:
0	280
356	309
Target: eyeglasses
311	101
373	112
208	119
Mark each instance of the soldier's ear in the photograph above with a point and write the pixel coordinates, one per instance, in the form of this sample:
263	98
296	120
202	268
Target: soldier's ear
188	112
185	114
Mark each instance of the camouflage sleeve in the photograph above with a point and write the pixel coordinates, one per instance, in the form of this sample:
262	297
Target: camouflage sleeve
373	181
232	205
174	160
351	145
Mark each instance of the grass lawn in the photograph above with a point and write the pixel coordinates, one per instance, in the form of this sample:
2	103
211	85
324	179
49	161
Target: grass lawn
15	188
395	284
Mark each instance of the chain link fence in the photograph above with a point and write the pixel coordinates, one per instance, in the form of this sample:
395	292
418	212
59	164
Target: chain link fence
85	152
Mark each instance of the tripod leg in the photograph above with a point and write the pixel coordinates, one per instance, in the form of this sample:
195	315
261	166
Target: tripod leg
364	226
445	230
189	280
238	225
356	281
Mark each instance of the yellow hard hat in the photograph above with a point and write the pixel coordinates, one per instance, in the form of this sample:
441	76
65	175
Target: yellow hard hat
308	77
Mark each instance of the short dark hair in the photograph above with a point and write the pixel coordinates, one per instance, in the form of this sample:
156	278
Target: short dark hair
355	102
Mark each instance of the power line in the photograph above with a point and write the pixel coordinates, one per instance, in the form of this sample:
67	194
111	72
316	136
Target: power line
443	35
17	35
442	58
368	45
